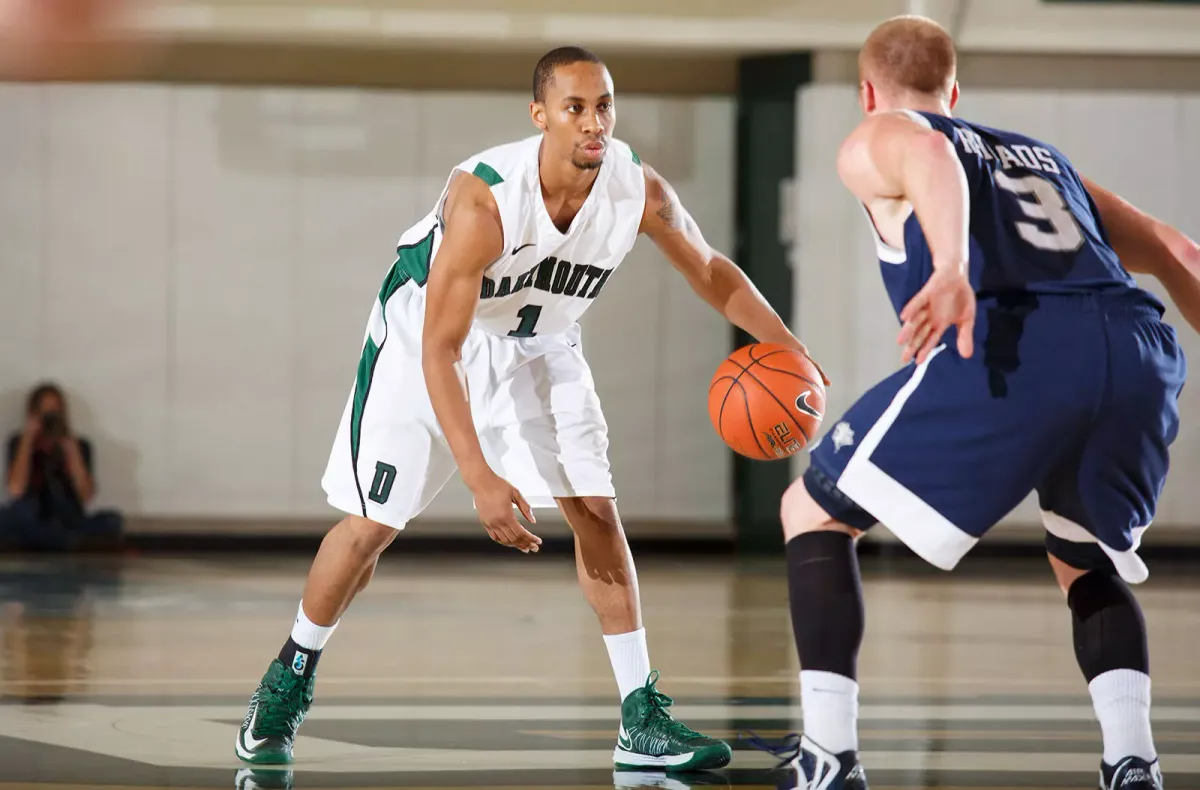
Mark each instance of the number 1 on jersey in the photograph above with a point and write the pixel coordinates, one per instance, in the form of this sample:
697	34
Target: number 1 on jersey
529	315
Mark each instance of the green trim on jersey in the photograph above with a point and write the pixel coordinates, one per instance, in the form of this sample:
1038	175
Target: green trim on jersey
487	174
637	160
412	263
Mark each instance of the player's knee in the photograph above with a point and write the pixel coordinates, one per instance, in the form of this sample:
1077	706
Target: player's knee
800	513
1066	575
591	513
1071	561
365	539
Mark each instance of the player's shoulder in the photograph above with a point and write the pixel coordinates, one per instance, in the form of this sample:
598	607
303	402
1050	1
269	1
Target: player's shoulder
625	156
506	163
628	172
1002	135
983	143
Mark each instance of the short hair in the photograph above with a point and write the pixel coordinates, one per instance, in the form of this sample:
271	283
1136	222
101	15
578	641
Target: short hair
909	52
543	74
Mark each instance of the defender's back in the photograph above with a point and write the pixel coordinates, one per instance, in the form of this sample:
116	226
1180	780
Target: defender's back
1034	228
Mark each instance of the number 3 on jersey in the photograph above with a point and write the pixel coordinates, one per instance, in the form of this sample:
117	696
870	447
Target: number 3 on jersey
1048	207
529	315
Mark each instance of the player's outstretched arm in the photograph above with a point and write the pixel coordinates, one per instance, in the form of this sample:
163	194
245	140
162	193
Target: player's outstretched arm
892	159
474	237
1149	246
715	278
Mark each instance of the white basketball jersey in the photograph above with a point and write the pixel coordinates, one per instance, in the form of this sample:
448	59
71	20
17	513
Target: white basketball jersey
545	279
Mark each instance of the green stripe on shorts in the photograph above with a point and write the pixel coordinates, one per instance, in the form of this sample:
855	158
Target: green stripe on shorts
412	263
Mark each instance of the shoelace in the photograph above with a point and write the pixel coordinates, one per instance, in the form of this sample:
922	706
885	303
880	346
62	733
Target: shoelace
658	704
786	750
281	707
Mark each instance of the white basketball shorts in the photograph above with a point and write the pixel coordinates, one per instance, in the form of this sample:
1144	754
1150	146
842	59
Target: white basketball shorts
533	401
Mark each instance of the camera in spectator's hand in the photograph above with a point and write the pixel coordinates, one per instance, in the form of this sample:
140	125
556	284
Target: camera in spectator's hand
53	425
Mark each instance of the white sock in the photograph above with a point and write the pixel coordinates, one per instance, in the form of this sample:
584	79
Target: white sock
308	634
1121	698
630	660
830	706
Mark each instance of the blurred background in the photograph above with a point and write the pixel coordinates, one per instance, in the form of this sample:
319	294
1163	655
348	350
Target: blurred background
200	199
198	203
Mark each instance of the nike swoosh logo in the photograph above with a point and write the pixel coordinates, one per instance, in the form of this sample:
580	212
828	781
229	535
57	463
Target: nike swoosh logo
623	739
249	741
802	404
523	246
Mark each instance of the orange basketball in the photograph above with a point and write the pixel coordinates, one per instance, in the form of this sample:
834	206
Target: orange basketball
767	401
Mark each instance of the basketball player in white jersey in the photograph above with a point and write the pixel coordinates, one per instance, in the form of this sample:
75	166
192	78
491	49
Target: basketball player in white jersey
472	361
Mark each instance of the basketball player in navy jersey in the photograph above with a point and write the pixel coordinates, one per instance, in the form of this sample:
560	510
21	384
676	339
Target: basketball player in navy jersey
1037	364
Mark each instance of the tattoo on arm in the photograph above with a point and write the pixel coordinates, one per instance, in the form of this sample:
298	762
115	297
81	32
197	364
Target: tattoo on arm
669	212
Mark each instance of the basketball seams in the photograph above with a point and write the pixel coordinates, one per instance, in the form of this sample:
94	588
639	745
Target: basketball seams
720	420
749	421
759	360
793	374
740	363
766	389
724	400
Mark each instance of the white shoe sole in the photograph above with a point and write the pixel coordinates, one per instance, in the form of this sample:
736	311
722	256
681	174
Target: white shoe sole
624	758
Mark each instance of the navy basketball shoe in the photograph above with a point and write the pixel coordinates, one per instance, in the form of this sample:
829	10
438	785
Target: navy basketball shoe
1132	773
813	767
817	769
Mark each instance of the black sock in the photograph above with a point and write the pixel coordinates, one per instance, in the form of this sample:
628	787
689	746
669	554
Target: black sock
826	598
1108	626
299	660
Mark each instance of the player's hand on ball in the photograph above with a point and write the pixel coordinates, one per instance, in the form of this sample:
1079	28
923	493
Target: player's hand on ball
825	379
494	500
793	342
946	300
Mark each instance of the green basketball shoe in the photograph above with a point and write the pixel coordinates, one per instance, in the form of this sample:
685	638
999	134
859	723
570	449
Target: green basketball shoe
277	709
650	738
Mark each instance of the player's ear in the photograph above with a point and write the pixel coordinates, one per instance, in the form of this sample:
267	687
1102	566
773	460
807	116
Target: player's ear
866	97
537	113
954	95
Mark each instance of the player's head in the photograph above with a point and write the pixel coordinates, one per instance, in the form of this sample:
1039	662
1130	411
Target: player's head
573	105
908	62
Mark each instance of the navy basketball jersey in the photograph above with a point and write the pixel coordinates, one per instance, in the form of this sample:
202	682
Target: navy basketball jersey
1033	225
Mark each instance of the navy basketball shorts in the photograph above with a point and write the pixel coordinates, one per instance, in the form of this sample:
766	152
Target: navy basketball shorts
1074	397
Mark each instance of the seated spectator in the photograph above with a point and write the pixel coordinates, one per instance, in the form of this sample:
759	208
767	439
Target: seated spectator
50	484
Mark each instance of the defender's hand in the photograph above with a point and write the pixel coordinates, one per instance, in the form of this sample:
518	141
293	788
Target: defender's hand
946	300
494	499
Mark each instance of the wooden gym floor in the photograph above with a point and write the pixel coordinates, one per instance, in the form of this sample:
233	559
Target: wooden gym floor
489	671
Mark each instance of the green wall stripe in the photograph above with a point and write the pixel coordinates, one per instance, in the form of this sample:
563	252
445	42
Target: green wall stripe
766	135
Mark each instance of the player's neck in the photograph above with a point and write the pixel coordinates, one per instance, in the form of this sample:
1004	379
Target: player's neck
918	103
934	107
561	178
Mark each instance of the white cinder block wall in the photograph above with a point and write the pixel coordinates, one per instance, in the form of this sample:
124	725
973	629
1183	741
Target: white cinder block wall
1139	144
196	266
